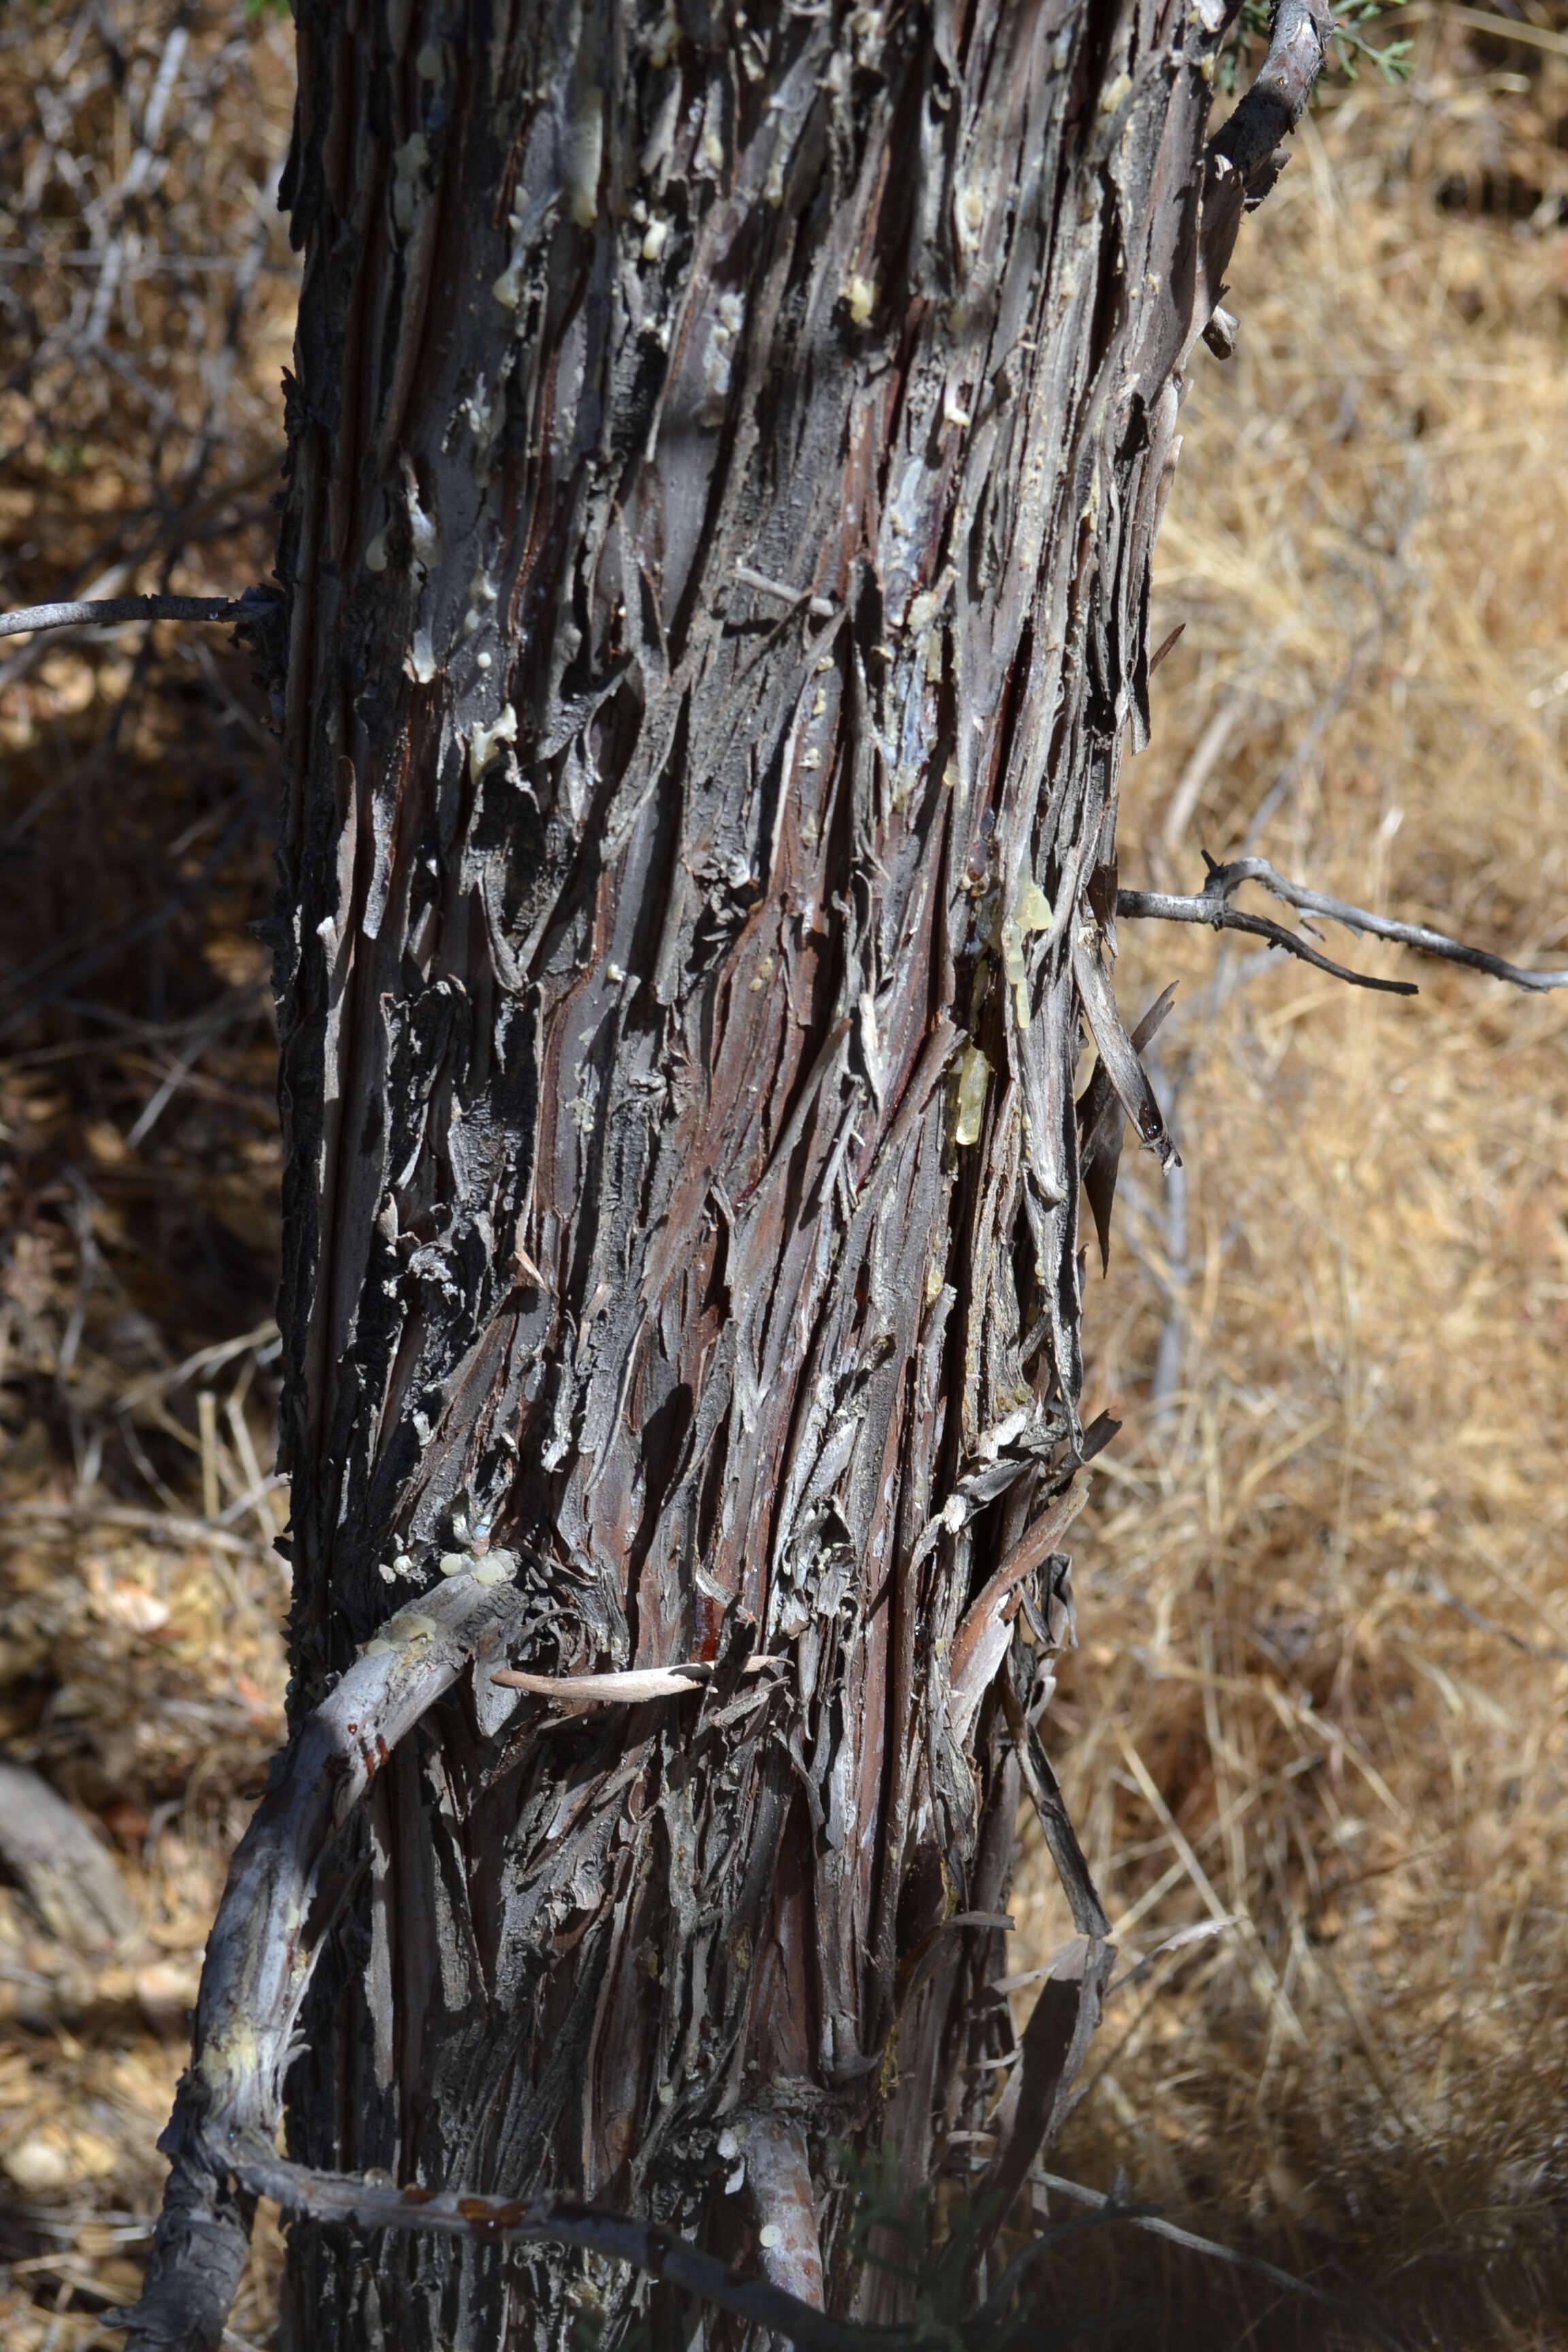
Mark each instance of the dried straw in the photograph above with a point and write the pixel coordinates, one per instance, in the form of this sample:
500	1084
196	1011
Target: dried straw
1323	1688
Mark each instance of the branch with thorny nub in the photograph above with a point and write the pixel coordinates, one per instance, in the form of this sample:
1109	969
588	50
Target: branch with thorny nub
259	1957
257	2171
1247	155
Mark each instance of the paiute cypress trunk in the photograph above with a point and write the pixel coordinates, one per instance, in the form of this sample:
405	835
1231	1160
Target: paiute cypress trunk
723	460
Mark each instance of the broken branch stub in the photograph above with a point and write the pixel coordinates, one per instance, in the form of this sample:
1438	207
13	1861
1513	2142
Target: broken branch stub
1275	99
1246	155
111	612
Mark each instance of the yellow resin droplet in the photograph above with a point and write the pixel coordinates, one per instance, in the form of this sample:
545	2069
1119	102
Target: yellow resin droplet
973	1071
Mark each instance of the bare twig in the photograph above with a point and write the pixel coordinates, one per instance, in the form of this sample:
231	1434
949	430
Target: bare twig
106	612
1164	905
1436	1590
821	607
328	2196
1159	2227
1167	645
168	1525
1212	906
1506	29
60	967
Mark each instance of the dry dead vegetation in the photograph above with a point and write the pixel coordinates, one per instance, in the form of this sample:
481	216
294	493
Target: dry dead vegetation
1321	1693
145	313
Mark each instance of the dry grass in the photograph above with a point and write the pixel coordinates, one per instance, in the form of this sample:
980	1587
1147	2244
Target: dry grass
1282	1713
1323	1688
140	1599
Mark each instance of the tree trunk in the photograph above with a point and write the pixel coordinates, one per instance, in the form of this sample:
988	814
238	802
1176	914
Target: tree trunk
723	465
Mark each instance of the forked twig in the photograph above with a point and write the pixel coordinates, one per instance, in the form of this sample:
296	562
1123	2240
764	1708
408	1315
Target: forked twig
1212	906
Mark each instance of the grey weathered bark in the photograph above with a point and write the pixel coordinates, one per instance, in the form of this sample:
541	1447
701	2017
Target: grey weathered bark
724	462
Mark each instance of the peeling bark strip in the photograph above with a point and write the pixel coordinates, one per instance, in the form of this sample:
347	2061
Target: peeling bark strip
629	1689
1054	2046
724	462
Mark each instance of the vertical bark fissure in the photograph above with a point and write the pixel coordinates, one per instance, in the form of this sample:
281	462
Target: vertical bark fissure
680	1033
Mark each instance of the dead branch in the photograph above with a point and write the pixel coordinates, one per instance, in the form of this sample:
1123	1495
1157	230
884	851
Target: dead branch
1157	2226
106	612
325	2196
328	2196
1212	906
258	1958
1164	907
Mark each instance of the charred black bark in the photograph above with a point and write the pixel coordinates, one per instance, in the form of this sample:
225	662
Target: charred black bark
724	463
